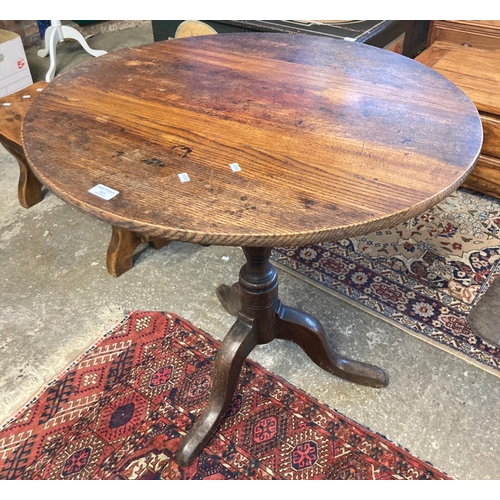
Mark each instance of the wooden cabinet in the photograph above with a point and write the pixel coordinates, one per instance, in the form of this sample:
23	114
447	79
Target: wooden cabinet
486	176
477	73
476	34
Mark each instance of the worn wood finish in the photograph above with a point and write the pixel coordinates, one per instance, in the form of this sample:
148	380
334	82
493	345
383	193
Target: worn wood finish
261	319
333	138
476	34
13	108
123	243
475	71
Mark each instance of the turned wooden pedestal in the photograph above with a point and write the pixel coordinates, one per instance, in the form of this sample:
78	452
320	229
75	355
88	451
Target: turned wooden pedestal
262	318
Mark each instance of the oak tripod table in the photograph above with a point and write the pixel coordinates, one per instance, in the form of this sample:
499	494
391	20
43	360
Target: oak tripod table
254	140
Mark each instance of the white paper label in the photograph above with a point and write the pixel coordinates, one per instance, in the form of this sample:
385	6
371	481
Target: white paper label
184	177
104	192
235	167
6	104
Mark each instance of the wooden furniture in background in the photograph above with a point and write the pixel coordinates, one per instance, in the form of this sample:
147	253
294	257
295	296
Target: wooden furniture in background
123	243
254	140
476	34
13	108
404	37
476	72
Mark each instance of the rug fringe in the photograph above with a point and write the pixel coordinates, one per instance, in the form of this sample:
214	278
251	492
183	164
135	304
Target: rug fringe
378	315
106	320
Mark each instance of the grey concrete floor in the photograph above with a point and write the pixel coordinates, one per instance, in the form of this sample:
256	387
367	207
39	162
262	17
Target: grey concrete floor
56	297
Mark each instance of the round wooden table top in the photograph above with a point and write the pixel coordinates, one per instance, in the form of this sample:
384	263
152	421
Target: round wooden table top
332	139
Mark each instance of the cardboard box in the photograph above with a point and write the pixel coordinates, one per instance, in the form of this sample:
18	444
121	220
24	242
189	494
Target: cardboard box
14	70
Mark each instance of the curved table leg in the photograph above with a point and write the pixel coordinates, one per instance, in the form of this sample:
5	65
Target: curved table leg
229	297
237	344
29	188
70	32
306	331
44	51
51	44
261	319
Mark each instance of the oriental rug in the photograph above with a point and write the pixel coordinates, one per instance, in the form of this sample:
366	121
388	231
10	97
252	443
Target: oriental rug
424	275
121	409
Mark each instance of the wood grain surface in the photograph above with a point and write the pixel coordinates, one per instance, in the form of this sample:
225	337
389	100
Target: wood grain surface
333	138
486	176
13	109
491	135
475	71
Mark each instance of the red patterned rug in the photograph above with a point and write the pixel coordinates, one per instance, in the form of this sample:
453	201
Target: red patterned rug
121	409
424	275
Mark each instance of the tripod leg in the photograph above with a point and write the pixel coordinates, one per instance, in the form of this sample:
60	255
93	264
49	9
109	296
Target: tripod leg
238	343
229	297
306	331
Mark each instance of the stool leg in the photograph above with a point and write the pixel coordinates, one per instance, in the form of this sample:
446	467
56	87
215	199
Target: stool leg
121	250
29	189
157	243
122	247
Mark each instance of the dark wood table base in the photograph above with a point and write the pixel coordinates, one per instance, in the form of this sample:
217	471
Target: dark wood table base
262	318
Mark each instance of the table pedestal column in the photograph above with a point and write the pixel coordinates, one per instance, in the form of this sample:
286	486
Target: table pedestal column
262	318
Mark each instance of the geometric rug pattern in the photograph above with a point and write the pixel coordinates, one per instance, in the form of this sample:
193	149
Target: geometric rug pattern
122	408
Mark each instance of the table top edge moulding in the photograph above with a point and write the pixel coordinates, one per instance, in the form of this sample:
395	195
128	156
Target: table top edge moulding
334	139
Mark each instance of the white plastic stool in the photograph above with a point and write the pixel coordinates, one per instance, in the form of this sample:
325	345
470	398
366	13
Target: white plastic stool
56	33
